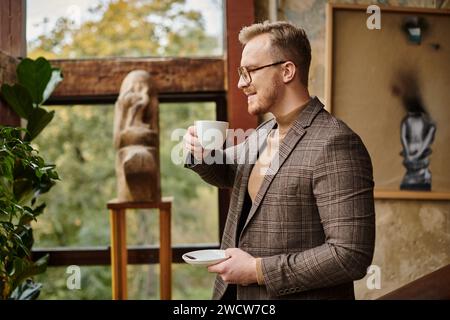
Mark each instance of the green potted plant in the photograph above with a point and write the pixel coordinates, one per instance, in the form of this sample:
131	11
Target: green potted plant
24	176
36	82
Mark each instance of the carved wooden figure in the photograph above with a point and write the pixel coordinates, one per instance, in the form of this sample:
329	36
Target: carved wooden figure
136	139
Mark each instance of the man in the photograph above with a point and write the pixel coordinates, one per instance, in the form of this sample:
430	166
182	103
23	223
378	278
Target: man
302	226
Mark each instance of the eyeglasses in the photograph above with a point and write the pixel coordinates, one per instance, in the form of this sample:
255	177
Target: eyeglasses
244	72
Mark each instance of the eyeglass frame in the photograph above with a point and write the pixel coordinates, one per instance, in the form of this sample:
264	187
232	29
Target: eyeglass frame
242	69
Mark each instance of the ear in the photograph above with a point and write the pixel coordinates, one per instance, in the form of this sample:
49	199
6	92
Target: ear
289	70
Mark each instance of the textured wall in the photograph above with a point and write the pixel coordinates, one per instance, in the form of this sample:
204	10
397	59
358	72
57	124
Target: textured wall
412	240
413	237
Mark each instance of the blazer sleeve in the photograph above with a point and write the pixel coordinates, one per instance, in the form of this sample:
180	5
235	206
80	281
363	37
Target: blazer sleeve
219	168
343	190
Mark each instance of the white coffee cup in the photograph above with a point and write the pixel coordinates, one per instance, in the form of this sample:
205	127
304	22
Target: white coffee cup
211	134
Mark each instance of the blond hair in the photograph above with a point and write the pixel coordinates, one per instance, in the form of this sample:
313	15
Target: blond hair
289	42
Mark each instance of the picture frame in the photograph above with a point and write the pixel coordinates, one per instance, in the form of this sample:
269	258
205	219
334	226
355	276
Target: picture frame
365	86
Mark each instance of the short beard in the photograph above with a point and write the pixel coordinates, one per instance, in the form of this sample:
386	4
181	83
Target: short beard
269	99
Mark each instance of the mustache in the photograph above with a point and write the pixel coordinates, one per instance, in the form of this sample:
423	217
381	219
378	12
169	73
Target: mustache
248	91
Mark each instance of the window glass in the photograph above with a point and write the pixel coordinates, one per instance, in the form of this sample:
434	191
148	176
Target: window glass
79	141
124	28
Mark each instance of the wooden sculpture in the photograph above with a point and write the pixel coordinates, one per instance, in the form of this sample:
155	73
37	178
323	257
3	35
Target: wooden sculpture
136	139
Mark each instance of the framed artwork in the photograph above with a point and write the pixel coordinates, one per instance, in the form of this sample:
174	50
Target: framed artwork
375	77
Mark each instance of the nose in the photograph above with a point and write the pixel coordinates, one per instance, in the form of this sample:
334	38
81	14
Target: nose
241	83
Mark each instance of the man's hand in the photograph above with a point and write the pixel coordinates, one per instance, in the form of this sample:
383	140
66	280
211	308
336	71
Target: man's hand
192	144
240	268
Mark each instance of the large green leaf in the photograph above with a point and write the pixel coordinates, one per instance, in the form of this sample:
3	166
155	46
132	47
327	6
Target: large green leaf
37	122
25	233
24	268
19	99
35	75
55	79
27	218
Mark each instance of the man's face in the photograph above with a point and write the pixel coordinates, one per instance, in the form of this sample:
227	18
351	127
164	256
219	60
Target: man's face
264	90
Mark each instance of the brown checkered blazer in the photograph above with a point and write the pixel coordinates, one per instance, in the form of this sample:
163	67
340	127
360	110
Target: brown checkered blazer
313	219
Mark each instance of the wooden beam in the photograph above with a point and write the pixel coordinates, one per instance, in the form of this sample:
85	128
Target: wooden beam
238	14
13	45
98	256
411	195
8	66
12	27
7	75
433	286
102	77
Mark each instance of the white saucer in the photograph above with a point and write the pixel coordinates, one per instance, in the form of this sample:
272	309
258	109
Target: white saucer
205	257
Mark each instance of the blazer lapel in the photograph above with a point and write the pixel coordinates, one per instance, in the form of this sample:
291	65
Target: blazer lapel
253	147
294	135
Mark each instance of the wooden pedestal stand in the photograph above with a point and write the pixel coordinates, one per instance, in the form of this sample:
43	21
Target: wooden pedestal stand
119	256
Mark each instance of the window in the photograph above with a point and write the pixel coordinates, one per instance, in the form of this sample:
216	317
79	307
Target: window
79	139
79	142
